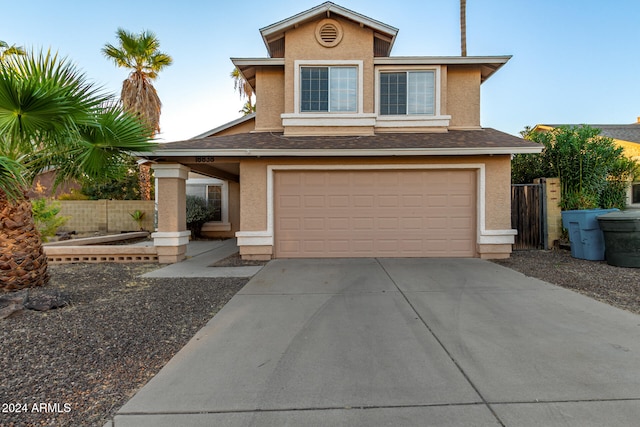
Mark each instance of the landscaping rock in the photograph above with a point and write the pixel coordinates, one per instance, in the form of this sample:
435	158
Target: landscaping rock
47	300
12	303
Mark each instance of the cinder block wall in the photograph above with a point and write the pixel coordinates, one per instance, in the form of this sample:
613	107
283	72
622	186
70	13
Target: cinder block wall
109	216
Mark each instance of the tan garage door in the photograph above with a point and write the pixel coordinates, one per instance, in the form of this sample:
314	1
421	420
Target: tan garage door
408	213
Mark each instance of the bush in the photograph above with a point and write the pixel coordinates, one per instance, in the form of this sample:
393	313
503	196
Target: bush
197	214
73	195
45	216
593	171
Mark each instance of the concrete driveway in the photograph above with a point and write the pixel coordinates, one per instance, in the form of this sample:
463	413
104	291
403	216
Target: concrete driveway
400	342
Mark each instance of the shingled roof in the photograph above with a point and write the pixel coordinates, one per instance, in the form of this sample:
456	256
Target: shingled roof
454	142
629	133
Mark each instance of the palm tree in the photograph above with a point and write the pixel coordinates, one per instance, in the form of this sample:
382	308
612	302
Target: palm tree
140	53
51	117
463	27
6	50
244	90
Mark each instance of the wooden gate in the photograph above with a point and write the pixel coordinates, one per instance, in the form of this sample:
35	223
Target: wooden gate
527	215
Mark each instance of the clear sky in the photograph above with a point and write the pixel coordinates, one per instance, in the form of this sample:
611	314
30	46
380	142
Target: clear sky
574	61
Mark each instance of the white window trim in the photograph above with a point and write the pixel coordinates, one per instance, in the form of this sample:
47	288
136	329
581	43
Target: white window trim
483	236
357	118
411	120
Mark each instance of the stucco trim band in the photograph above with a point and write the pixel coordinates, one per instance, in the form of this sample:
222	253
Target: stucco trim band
171	238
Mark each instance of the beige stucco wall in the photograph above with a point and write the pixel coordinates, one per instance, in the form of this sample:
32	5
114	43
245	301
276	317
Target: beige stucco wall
269	99
497	186
459	84
463	96
172	211
356	44
253	195
498	192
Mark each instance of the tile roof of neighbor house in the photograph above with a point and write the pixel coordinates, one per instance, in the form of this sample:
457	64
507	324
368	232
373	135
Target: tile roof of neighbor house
481	141
629	133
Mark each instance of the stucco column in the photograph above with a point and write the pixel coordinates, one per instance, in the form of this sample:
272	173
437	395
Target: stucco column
172	236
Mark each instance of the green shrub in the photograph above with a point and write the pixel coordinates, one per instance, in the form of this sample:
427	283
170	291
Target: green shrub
593	171
197	214
45	216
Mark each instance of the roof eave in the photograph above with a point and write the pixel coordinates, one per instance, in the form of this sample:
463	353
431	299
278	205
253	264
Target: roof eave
489	64
251	152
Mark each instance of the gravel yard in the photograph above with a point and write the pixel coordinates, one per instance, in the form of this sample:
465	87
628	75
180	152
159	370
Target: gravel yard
84	361
617	286
93	355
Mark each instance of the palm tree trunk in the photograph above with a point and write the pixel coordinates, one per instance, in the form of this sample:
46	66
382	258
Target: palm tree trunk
23	262
144	181
463	27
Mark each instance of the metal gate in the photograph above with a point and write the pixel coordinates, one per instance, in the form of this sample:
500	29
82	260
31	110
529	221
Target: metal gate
527	215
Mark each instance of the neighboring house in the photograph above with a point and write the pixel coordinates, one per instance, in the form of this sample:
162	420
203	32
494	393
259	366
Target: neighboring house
351	152
625	136
43	186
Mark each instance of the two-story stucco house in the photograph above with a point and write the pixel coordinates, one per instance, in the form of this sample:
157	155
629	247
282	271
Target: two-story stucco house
351	152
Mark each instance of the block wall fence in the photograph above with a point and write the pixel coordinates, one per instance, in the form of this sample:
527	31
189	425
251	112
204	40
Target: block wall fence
109	216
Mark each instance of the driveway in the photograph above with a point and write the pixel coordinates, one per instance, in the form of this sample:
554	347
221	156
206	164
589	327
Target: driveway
400	342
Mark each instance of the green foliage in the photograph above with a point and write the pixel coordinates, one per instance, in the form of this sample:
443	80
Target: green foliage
593	171
126	187
45	216
73	195
52	116
197	214
138	217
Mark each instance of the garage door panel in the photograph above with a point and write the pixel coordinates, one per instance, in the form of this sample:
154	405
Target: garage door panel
375	213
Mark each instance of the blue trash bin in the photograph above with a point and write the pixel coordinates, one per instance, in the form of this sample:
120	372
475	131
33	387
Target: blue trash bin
587	240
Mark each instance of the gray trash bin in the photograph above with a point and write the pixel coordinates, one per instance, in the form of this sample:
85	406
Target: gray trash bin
621	237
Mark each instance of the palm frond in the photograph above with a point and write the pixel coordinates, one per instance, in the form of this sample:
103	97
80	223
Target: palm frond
42	95
12	181
105	146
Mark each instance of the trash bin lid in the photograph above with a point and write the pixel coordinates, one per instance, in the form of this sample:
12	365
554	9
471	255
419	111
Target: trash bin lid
628	215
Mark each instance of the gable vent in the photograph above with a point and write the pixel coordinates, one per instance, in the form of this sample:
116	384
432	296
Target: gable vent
329	32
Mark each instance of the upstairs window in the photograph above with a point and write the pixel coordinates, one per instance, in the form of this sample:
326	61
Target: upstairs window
328	89
407	92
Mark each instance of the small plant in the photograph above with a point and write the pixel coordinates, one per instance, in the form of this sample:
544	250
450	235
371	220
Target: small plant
138	217
45	216
197	214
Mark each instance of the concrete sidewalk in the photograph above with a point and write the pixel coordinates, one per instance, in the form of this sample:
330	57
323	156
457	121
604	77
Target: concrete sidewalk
400	342
201	254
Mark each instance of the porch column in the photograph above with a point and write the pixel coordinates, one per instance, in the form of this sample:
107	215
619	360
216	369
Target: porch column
172	236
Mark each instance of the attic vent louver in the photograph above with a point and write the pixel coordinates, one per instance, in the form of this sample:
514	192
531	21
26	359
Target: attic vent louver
329	32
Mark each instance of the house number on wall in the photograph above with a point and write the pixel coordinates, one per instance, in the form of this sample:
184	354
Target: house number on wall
205	159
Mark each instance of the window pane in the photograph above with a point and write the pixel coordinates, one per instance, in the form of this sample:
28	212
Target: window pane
214	201
393	93
635	193
343	89
421	93
314	89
